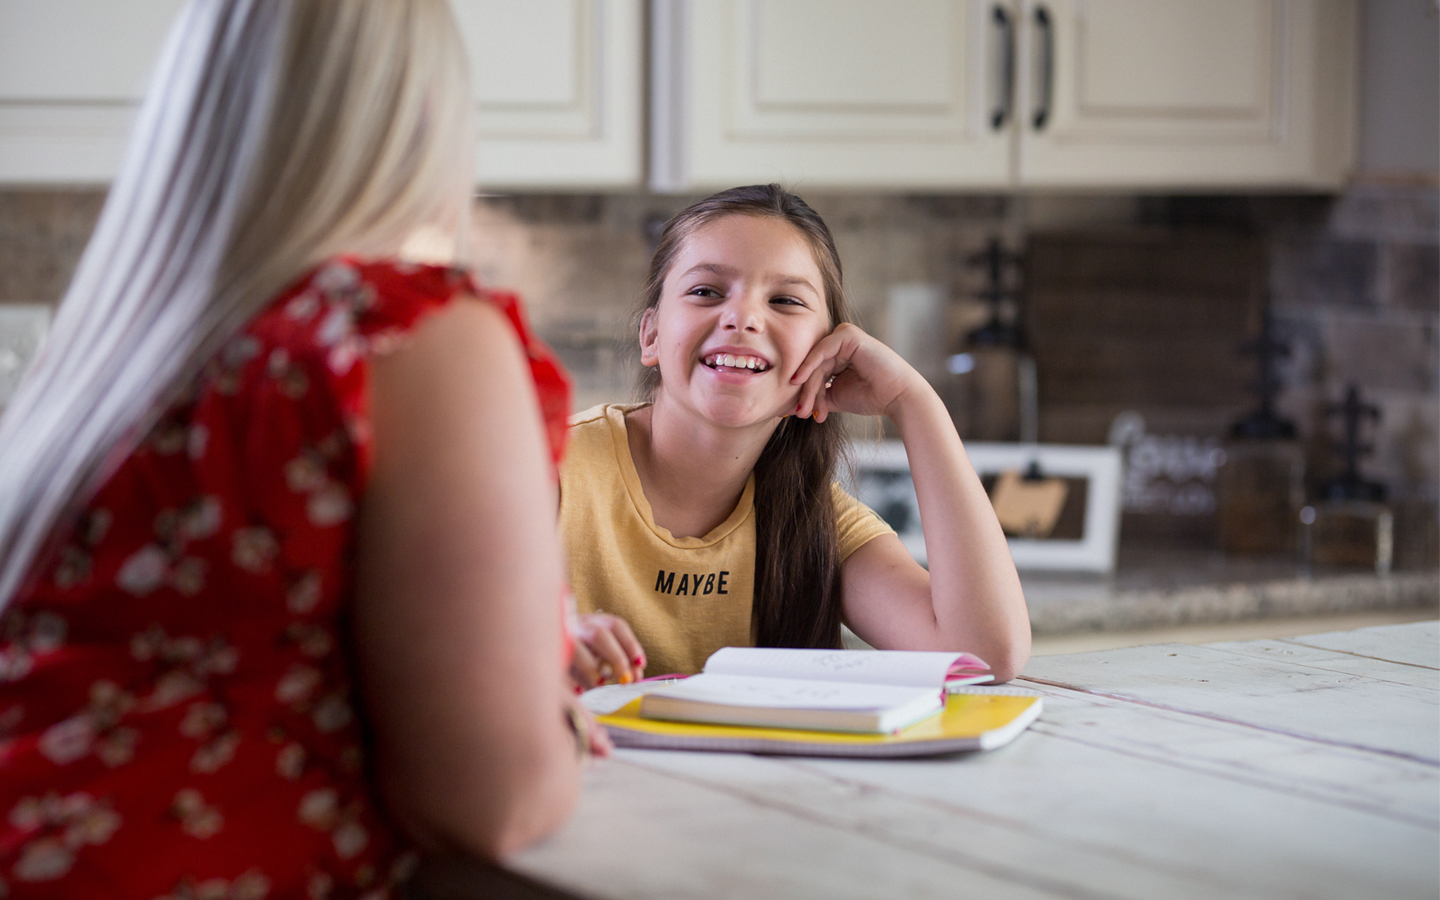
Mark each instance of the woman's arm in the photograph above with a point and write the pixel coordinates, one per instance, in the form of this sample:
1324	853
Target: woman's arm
970	599
458	617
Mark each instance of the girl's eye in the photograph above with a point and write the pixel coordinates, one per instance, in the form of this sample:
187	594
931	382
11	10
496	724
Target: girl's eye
703	291
787	301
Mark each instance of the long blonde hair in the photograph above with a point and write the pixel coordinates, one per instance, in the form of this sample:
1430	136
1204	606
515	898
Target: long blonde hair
275	133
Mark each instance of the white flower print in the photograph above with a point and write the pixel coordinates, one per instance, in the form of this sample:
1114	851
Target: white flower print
336	279
214	755
66	824
117	747
241	350
47	632
188	577
330	505
144	571
45	859
336	327
74	567
290	761
320	886
29	636
15	664
297	684
251	885
96	728
313	640
28	814
202	719
169	438
277	362
304	473
189	662
197	818
68	740
201	519
304	595
344	356
198	441
332	714
320	809
349	838
302	306
94	526
93	824
253	549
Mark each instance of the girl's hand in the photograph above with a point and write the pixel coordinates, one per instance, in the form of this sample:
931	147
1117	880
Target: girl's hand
606	651
849	371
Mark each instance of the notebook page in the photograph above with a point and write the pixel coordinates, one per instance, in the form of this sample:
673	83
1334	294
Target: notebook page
786	693
916	668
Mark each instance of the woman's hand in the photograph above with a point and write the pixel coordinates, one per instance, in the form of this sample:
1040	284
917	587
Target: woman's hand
590	736
606	651
849	371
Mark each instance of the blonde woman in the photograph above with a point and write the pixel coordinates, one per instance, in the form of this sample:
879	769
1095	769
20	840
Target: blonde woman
242	490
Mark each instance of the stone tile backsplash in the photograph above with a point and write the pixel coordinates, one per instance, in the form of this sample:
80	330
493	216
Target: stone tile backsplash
1353	281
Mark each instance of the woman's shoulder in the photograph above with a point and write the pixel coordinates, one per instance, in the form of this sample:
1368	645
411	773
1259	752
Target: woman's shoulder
345	305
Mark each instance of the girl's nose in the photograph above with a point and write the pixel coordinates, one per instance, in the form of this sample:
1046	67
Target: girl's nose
745	312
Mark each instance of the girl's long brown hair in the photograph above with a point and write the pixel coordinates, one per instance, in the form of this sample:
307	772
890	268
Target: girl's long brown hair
797	551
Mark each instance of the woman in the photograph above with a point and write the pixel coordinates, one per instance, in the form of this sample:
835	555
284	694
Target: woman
254	435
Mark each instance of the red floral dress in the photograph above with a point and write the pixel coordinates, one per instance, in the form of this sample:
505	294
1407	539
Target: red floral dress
176	713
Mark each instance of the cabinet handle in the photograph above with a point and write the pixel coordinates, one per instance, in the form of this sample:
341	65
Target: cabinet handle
1004	103
1045	34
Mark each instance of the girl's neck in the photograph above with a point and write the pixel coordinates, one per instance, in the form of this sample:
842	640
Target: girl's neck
692	472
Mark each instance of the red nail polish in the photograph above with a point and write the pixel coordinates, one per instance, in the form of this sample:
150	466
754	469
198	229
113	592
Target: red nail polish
579	690
638	662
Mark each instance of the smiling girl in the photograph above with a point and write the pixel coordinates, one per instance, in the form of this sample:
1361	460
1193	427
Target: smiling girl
708	516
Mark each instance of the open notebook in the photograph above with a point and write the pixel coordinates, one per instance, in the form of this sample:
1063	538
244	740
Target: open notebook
818	702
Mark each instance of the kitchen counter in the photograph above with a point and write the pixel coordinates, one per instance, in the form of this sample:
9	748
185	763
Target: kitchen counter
1155	588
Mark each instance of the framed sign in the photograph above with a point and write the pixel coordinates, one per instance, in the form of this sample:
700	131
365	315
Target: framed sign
1089	527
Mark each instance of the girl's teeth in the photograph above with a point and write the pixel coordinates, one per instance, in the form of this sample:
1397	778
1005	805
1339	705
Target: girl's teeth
727	360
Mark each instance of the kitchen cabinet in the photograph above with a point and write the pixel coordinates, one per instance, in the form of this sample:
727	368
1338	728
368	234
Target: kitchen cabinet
72	74
557	85
558	91
947	94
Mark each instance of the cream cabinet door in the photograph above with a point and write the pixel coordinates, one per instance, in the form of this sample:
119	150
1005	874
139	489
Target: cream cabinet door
1187	93
558	91
829	93
72	75
557	87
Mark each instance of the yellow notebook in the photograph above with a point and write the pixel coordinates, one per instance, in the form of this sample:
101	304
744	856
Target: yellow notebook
971	721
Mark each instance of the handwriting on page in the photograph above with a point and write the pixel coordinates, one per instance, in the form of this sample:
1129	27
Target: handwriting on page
783	693
919	669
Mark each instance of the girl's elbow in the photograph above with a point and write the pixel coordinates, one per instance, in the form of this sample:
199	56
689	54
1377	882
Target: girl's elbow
1010	658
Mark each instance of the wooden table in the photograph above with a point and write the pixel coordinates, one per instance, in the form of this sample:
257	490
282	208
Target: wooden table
1279	768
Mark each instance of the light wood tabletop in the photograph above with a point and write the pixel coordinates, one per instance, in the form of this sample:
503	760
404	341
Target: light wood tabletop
1304	767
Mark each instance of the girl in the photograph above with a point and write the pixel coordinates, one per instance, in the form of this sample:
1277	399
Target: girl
708	516
238	494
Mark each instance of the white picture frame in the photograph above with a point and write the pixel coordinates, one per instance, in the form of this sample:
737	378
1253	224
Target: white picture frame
883	473
23	327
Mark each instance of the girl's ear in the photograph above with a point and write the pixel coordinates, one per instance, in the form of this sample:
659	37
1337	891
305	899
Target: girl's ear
649	339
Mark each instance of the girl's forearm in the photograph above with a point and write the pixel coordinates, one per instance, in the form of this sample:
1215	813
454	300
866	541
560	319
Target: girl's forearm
975	592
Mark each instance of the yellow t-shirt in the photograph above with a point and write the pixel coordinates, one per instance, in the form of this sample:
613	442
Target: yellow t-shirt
685	597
